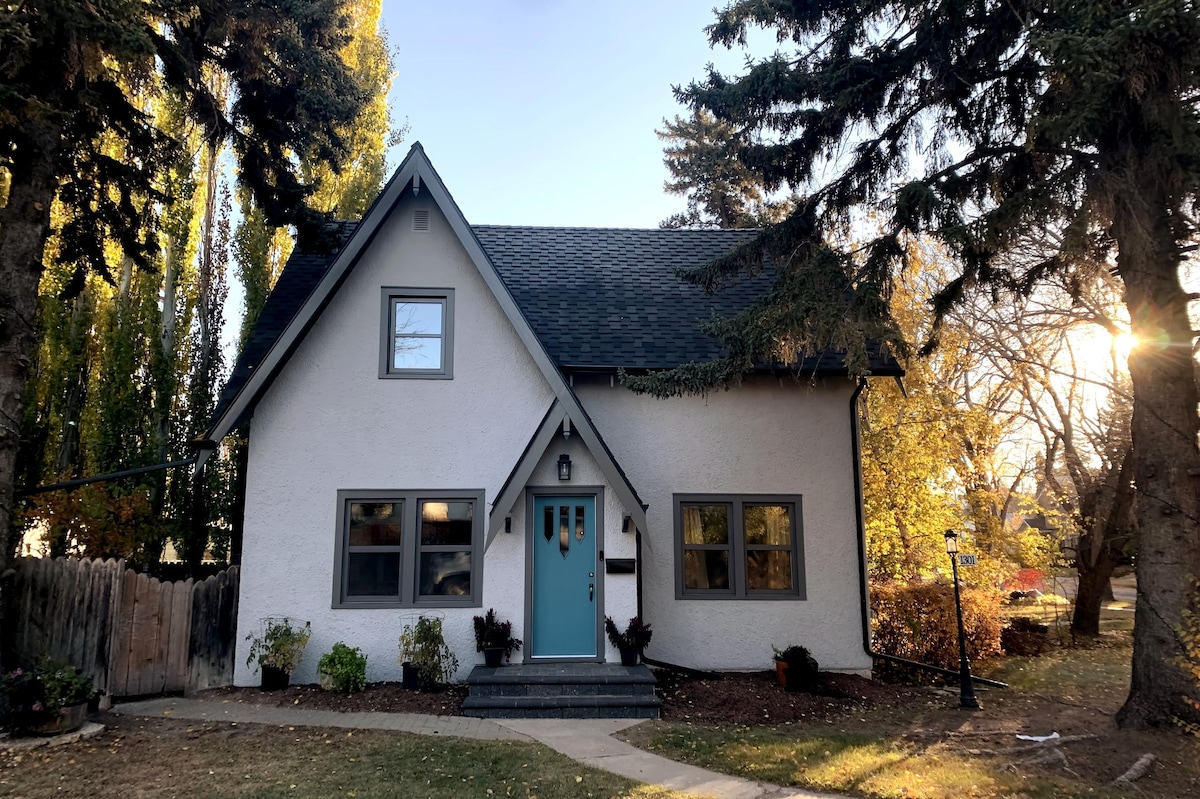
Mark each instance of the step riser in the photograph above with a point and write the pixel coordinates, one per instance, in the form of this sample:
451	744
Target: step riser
561	690
556	691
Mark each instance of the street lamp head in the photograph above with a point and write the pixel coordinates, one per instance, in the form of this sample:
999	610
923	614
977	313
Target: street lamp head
951	542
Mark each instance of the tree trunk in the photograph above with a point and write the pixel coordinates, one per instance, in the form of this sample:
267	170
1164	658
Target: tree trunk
1092	590
24	225
1166	458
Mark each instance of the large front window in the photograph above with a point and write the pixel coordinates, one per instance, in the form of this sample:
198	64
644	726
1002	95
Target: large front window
746	546
408	548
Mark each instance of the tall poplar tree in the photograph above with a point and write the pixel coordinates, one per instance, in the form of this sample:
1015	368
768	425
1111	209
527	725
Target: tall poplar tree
64	102
974	122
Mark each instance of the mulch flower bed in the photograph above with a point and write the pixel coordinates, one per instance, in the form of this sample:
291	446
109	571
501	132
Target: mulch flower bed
382	697
757	698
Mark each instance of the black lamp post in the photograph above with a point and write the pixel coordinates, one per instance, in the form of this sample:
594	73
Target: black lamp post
967	689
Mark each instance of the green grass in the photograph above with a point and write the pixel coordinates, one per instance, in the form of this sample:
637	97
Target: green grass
859	763
160	758
1098	673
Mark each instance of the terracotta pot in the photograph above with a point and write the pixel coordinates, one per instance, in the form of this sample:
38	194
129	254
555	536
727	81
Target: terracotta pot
781	673
492	656
274	679
629	656
70	718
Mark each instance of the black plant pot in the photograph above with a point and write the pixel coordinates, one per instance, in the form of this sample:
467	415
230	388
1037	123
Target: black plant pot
274	679
492	656
629	656
411	679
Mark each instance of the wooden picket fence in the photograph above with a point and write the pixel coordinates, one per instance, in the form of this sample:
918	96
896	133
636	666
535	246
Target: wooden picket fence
132	633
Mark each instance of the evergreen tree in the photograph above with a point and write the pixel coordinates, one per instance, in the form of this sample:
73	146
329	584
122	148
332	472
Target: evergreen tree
975	122
65	108
702	157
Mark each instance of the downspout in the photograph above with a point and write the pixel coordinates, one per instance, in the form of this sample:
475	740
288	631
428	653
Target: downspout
708	675
864	589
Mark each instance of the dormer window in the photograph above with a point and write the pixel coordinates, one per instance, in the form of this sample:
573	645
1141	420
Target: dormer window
418	333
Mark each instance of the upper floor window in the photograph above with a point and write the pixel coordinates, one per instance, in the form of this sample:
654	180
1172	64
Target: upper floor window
418	333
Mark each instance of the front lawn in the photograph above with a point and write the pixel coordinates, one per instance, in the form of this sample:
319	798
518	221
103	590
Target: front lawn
916	743
174	758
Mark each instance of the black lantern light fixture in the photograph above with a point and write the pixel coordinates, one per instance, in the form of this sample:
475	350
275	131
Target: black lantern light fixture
564	467
966	697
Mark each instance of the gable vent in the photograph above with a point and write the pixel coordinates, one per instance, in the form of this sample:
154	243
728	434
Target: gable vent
421	219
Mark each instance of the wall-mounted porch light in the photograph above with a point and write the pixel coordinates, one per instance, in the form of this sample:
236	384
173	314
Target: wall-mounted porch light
508	524
564	467
626	523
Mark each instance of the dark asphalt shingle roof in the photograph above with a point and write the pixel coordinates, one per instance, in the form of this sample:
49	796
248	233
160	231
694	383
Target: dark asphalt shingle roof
595	297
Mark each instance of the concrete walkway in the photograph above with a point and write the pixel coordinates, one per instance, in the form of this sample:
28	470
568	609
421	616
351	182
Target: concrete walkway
588	741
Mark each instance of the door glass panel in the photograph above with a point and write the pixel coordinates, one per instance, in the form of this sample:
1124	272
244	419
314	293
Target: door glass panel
768	524
705	524
769	569
548	525
706	569
374	524
564	533
579	522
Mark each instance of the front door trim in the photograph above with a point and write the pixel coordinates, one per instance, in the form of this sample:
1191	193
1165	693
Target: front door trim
531	494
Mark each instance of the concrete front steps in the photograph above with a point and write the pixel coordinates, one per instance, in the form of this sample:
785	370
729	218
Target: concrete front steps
562	691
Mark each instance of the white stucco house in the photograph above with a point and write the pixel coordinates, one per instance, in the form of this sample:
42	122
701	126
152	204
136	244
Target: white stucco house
436	426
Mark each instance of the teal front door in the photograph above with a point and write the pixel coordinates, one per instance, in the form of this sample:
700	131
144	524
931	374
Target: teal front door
564	578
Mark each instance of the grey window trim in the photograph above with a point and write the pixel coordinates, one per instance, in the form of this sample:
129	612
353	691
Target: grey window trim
410	547
390	296
737	547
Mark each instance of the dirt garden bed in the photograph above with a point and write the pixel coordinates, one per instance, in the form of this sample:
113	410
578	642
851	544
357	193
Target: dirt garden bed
380	697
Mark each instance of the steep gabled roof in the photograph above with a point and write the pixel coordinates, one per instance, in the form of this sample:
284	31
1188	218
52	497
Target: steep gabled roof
259	367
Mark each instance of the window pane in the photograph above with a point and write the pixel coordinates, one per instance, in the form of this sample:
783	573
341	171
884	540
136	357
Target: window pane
373	574
706	569
769	569
374	524
445	574
705	524
768	524
417	353
418	317
446	523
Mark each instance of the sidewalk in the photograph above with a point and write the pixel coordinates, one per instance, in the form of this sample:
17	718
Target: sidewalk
588	741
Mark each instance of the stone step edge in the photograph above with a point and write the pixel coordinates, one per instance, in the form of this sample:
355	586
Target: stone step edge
598	700
498	678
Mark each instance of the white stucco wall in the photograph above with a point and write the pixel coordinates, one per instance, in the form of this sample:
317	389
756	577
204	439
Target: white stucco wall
328	423
765	437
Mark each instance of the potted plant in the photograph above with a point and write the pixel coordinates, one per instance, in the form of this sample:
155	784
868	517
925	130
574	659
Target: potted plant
796	669
494	639
632	641
343	669
278	650
50	699
426	659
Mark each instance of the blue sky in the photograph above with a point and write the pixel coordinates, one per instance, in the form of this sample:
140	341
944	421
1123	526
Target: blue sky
543	112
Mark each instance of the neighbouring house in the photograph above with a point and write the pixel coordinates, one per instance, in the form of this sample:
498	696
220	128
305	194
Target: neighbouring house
437	426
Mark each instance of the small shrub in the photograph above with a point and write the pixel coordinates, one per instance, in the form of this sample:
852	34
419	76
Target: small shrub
346	668
491	633
636	636
32	697
917	621
803	673
281	644
423	645
1024	636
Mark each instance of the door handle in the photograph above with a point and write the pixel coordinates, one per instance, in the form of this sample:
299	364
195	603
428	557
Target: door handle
591	592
